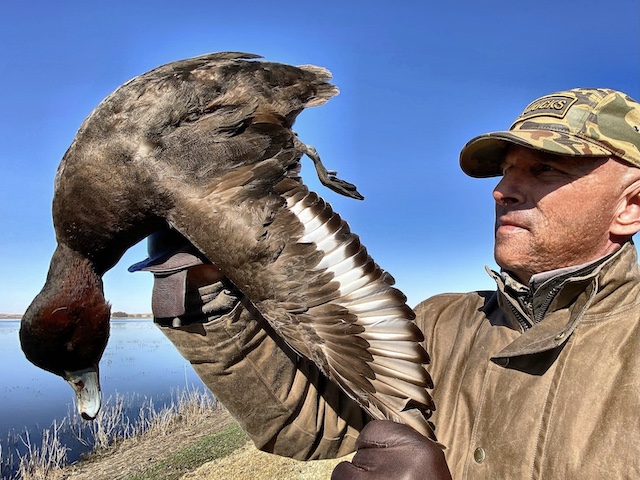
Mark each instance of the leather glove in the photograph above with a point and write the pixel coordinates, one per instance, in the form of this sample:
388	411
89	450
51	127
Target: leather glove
389	450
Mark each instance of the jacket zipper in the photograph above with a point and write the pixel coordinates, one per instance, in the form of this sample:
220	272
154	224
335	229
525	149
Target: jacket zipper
524	323
541	312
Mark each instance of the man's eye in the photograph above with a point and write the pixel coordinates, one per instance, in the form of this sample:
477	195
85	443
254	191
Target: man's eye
547	168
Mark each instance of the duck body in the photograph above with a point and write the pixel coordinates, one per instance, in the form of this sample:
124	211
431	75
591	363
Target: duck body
206	146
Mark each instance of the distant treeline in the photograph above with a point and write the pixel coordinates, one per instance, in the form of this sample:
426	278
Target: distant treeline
130	315
13	316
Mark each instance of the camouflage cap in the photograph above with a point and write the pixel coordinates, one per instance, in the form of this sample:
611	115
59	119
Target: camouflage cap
594	122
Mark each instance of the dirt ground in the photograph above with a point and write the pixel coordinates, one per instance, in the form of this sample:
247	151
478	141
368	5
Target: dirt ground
247	463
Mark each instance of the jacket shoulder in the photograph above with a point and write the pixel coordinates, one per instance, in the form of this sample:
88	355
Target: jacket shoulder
450	317
462	303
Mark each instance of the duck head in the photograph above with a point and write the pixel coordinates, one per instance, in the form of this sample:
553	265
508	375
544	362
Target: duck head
66	327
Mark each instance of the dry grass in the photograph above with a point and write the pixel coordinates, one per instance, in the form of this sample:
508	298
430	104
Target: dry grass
193	438
40	462
157	455
111	426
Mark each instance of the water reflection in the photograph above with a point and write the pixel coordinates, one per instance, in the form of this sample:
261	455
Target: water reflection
139	362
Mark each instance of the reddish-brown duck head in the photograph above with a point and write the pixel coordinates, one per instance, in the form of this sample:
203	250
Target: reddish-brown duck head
66	327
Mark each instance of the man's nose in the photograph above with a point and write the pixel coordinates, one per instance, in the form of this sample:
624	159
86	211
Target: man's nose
508	191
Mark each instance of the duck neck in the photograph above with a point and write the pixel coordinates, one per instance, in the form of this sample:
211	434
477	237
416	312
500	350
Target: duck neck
72	295
67	325
77	282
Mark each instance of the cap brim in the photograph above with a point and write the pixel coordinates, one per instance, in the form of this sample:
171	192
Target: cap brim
167	263
482	156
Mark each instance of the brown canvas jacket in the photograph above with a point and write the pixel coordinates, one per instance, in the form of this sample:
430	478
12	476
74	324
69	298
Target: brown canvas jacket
558	400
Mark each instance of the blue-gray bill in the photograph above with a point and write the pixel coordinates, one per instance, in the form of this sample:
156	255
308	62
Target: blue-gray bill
86	385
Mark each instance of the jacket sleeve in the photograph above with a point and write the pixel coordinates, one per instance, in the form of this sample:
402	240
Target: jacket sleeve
281	400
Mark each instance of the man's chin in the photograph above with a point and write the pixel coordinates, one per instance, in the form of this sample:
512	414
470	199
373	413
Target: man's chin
516	264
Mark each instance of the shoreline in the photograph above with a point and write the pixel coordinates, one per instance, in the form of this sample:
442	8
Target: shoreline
146	456
221	452
198	440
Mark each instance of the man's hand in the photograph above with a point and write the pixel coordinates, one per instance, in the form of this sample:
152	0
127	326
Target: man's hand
389	450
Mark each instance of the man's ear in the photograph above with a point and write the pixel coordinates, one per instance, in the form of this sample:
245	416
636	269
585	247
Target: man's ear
626	221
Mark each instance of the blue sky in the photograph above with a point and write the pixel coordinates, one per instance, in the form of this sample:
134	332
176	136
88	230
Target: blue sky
417	80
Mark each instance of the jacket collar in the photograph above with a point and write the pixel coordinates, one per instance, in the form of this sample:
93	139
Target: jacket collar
532	301
548	310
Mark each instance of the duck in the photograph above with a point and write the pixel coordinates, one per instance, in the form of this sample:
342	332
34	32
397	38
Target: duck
205	146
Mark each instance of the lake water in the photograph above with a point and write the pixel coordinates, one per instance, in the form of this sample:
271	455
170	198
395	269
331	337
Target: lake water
139	363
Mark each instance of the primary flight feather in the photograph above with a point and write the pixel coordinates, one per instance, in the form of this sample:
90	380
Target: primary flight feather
206	146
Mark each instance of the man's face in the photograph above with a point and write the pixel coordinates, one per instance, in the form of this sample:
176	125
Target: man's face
554	211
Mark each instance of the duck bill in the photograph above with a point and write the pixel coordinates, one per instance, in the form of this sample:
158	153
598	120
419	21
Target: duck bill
86	385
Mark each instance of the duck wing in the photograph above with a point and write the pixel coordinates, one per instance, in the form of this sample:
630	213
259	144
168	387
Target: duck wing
310	277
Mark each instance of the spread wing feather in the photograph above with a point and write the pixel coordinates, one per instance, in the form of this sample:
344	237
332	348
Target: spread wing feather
283	246
314	282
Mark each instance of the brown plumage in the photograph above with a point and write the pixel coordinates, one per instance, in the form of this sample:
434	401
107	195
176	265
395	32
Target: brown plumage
205	145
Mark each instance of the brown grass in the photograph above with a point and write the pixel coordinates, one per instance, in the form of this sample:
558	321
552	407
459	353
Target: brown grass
195	439
112	428
135	455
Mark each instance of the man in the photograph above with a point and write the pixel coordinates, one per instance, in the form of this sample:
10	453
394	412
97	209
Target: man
538	379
